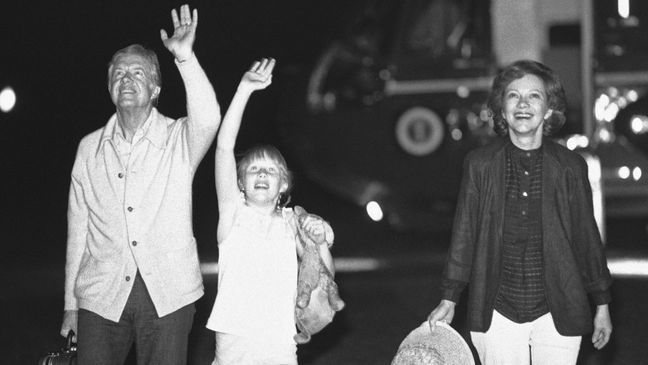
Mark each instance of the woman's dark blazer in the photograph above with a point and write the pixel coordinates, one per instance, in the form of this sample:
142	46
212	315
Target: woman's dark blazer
573	259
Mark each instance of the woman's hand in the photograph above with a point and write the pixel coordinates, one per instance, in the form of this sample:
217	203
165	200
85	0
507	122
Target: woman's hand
602	327
444	312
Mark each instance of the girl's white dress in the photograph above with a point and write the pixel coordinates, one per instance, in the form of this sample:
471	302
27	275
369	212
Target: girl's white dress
257	279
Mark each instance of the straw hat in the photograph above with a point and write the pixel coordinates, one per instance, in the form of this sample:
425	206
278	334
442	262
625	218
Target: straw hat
444	346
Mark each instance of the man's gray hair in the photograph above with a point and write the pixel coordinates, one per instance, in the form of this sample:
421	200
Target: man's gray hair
147	54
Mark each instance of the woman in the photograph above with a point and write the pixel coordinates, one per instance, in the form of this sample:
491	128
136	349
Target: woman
524	235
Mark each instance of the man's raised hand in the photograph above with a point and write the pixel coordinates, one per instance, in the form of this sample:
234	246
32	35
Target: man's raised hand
180	44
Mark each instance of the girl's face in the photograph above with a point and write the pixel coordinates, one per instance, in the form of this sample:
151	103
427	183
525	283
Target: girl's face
525	106
262	182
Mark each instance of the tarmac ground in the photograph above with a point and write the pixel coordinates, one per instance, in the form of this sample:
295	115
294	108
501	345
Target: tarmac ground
388	280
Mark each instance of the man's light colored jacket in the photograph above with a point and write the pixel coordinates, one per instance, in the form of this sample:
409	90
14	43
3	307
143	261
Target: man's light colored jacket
137	215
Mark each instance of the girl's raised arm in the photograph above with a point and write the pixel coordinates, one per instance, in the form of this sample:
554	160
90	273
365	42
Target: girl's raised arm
258	77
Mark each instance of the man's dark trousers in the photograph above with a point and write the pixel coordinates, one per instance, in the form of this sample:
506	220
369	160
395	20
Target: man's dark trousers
158	341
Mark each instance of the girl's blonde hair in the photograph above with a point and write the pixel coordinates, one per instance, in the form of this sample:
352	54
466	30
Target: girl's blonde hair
272	153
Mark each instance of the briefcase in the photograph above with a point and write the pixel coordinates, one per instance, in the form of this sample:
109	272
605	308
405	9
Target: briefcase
65	356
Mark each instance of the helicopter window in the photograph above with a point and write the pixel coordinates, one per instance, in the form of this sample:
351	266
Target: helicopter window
370	25
621	31
619	34
447	28
436	28
347	73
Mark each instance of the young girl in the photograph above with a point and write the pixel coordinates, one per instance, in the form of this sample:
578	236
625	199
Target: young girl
253	315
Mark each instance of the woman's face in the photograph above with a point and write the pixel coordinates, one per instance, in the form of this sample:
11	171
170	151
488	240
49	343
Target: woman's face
525	107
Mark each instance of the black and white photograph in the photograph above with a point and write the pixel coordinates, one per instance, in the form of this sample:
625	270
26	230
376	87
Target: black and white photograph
233	182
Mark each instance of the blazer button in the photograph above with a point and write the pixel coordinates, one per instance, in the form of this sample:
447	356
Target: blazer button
127	278
120	175
130	209
134	243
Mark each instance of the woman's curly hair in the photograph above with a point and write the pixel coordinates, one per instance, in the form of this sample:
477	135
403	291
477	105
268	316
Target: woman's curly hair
556	100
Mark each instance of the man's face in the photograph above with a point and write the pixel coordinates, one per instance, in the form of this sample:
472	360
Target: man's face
130	82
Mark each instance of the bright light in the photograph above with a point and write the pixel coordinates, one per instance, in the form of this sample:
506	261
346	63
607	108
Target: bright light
593	168
7	99
594	175
599	106
456	134
624	172
628	267
622	102
577	141
374	211
341	264
605	135
463	91
358	264
632	95
636	173
624	8
639	124
619	266
611	112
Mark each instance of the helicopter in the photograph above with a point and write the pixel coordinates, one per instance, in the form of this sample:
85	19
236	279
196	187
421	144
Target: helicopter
387	113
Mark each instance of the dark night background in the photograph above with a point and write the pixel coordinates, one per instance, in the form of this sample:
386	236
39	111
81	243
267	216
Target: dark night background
55	56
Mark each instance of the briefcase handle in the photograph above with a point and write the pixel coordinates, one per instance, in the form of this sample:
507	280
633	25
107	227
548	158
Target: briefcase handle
69	344
66	355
